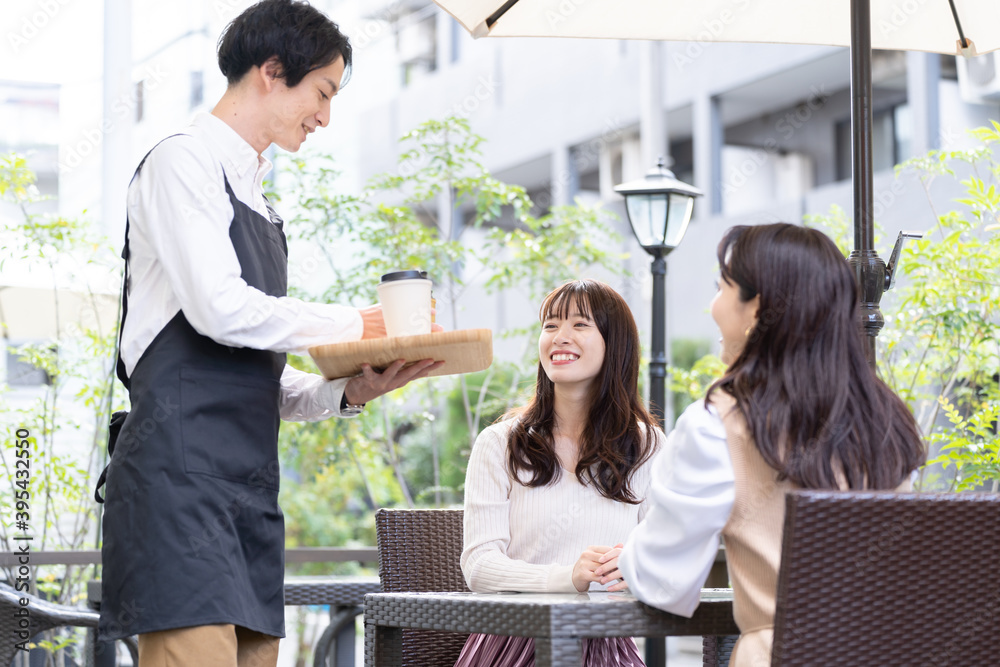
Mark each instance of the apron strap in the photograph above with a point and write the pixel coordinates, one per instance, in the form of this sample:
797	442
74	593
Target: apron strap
118	418
120	364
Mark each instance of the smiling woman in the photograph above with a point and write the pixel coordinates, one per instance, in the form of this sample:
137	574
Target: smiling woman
570	347
568	471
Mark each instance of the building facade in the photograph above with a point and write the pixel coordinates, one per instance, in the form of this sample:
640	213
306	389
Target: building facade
763	130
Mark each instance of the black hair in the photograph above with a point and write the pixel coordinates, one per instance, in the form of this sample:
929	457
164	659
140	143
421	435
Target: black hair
620	433
814	406
300	36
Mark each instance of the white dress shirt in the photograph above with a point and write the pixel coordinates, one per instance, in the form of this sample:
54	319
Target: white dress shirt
181	258
667	557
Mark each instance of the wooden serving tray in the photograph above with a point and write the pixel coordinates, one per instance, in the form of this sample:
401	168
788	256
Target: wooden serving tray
463	351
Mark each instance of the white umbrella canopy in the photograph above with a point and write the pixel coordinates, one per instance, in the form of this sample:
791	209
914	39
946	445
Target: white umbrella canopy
958	27
905	25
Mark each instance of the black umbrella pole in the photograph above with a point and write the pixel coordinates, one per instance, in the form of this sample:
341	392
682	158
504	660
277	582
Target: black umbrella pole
869	268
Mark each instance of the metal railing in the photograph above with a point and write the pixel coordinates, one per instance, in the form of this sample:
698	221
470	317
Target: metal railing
294	555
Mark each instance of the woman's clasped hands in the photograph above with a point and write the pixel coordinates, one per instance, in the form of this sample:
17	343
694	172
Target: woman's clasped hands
598	564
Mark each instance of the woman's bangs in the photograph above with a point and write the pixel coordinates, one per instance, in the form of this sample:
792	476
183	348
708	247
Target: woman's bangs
560	303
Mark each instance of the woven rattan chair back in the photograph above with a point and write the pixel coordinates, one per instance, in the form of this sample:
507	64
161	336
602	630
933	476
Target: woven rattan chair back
716	651
419	550
888	579
39	617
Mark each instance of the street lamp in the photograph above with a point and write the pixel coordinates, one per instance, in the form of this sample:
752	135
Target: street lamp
659	209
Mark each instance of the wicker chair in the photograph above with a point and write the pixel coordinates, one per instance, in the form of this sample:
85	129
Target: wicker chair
716	651
419	550
42	616
888	579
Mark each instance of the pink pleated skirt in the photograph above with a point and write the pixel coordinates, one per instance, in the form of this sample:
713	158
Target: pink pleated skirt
497	651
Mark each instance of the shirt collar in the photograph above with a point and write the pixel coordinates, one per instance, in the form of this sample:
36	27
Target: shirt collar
238	155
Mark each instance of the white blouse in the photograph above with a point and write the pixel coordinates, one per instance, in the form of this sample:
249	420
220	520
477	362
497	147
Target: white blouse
181	258
519	538
668	556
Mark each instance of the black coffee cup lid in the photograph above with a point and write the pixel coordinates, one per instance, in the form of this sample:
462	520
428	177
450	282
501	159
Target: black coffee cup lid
403	275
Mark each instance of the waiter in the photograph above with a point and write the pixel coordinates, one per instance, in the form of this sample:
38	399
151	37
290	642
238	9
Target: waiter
193	548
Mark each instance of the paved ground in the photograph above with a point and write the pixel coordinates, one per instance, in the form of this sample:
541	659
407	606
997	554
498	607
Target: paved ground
688	653
684	652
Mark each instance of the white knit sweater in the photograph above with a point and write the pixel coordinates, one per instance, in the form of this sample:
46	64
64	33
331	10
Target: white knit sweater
526	539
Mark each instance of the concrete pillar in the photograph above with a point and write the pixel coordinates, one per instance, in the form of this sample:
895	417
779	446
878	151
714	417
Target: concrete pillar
565	183
633	164
496	47
708	138
652	117
442	31
606	171
450	225
923	74
116	144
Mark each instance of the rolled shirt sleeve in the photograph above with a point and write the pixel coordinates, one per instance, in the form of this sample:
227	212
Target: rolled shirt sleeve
310	397
667	557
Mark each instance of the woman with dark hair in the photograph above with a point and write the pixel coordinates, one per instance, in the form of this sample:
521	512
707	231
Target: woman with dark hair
798	407
569	470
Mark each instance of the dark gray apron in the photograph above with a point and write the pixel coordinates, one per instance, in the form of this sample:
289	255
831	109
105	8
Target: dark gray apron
192	530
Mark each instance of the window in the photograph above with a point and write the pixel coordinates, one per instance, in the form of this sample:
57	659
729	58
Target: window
456	40
197	89
21	373
140	95
892	132
949	68
416	45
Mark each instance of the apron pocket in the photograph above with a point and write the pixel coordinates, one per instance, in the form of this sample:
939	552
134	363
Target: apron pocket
229	424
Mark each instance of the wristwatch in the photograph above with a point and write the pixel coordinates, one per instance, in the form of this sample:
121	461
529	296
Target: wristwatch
349	410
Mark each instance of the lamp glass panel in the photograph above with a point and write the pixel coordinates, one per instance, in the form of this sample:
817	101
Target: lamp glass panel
648	214
681	206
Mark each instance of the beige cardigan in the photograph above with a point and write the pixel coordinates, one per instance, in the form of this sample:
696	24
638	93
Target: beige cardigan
752	537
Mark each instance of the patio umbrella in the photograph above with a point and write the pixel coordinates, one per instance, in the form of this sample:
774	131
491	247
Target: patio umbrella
958	27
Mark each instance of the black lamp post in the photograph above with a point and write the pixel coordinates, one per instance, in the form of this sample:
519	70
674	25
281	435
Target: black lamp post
659	209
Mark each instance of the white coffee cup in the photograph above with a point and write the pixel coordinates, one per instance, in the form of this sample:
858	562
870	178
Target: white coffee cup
406	303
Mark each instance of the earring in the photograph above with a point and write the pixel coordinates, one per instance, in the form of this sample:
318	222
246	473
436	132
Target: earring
746	333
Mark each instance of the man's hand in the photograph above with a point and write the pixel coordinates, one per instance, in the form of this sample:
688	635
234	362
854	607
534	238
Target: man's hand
374	322
370	385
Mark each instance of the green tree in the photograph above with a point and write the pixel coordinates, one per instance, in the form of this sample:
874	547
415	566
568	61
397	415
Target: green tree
411	446
693	368
76	362
942	353
940	349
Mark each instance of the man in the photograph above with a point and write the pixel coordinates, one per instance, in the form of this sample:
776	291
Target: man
193	537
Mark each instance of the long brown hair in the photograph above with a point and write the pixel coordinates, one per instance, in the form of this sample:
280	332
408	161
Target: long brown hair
810	399
613	445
